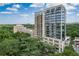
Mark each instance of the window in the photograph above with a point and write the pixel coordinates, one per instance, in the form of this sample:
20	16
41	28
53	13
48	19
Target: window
56	45
58	17
63	11
45	41
52	28
47	27
50	39
47	11
47	35
59	8
63	17
58	12
58	36
58	20
52	34
56	41
52	11
58	26
51	43
63	27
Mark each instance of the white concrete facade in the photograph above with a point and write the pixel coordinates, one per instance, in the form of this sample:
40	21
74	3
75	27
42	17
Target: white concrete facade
53	22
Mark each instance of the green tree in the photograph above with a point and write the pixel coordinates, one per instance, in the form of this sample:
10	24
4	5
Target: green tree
9	47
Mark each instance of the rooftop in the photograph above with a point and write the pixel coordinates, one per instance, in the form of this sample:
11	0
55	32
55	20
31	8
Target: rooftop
76	39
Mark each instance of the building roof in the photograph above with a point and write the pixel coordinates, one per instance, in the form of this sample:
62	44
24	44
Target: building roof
19	25
50	8
76	39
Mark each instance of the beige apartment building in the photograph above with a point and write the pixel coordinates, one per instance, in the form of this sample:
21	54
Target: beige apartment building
21	28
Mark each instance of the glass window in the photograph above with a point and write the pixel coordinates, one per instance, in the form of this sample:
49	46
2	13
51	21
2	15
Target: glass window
47	11
58	8
50	39
52	11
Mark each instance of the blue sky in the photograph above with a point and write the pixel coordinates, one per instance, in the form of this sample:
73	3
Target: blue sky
23	13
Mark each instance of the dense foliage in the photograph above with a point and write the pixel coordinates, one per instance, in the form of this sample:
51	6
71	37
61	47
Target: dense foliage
73	30
22	44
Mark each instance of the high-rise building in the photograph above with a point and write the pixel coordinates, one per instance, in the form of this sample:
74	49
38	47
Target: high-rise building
50	24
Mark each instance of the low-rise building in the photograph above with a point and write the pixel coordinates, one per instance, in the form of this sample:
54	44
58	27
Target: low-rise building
76	44
21	28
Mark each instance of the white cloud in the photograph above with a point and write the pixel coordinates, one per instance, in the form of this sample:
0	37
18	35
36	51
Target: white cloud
37	5
24	15
77	14
5	12
68	6
73	4
70	12
12	9
16	5
51	4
